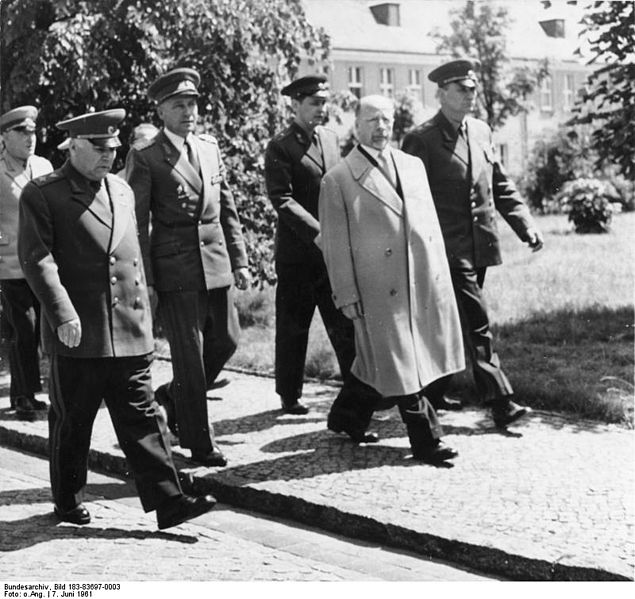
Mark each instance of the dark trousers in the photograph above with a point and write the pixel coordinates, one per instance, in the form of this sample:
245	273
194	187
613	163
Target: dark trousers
353	409
203	330
491	382
301	288
21	316
76	388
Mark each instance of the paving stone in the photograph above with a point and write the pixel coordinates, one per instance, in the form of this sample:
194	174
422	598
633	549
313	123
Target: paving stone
539	501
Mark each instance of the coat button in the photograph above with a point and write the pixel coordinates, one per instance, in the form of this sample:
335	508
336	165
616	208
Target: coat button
393	292
200	222
388	252
136	282
475	219
184	205
202	243
135	262
113	280
113	259
473	204
115	301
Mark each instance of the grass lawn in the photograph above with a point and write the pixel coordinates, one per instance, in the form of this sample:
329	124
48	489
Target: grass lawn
562	318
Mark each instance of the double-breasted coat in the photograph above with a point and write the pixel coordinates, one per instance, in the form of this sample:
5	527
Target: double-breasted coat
467	191
79	265
14	175
387	252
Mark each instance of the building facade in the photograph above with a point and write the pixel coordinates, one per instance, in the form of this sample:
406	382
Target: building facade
390	48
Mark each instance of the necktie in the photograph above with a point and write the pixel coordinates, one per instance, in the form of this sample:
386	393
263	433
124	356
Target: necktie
462	149
192	157
385	163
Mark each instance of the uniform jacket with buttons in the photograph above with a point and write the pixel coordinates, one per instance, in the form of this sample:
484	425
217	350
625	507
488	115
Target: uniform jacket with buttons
468	194
294	168
387	252
191	237
14	175
82	262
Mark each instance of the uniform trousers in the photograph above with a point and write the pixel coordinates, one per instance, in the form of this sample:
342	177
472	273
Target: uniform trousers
21	316
202	329
353	409
491	382
300	289
77	387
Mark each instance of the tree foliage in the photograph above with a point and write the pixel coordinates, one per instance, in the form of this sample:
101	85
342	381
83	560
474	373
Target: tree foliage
479	31
608	98
71	56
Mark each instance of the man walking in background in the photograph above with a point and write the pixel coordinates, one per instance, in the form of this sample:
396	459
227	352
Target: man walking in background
193	256
295	162
386	261
79	249
468	184
18	165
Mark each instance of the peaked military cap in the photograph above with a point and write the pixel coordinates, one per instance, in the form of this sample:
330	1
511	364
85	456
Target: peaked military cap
310	85
176	82
461	71
100	128
20	117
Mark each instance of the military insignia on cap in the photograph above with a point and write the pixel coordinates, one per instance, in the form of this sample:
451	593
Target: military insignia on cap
22	116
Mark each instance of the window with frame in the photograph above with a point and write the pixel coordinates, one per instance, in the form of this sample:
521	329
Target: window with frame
355	81
568	91
386	81
414	83
546	94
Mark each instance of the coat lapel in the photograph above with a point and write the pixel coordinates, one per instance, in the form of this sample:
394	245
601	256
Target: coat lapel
330	151
314	153
179	162
373	181
121	212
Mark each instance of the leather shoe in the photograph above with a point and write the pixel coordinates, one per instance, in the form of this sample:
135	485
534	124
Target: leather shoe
180	508
435	454
294	408
78	515
356	437
447	403
218	384
214	457
508	412
24	408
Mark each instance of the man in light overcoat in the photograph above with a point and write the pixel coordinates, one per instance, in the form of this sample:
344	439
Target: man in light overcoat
18	165
386	262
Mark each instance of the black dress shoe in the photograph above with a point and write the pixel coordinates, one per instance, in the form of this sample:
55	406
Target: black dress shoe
181	508
214	457
446	403
218	384
356	437
78	515
506	413
435	454
294	408
24	408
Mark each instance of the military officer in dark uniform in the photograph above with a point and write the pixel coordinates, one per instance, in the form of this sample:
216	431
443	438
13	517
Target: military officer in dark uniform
18	165
295	161
193	257
468	185
79	250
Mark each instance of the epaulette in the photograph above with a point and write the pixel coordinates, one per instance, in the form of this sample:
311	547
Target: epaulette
47	179
426	125
282	134
146	143
208	138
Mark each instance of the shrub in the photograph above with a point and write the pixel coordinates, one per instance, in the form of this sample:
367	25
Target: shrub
590	204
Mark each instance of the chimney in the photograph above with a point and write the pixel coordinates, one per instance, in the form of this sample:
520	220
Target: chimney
386	13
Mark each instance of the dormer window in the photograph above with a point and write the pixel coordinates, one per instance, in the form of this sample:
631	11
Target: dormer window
553	27
386	13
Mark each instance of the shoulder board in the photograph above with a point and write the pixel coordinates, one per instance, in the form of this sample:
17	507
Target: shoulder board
282	134
208	138
146	143
47	179
426	126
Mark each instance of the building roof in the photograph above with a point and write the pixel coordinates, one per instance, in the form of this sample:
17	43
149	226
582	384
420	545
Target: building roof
352	26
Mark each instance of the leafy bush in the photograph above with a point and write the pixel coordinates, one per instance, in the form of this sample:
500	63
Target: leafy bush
590	204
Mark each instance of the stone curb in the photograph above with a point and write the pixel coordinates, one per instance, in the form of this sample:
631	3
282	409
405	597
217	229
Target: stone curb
481	558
